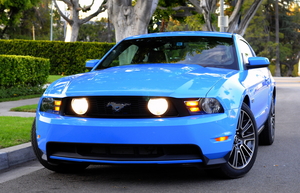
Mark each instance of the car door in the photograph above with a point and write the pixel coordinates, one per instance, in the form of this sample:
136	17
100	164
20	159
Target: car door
258	85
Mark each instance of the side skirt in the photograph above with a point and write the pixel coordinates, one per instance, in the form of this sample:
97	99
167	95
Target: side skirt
260	129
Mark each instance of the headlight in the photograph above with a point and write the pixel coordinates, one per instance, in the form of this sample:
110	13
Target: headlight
204	105
80	105
158	106
211	105
51	105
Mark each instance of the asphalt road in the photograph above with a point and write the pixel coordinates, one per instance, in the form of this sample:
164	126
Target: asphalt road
277	167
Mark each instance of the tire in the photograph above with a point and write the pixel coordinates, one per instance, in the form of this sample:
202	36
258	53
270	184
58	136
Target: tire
244	150
62	168
267	136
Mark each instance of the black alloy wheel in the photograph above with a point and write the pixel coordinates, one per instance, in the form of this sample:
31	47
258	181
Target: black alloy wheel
244	150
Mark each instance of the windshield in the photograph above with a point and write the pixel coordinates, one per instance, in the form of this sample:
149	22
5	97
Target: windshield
205	51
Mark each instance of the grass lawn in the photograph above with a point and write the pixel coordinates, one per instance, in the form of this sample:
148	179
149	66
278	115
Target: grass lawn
53	78
20	98
26	108
15	130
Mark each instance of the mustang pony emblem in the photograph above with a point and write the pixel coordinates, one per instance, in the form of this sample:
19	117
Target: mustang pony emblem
116	107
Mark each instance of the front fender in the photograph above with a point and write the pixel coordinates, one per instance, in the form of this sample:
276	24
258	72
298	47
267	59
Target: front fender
230	92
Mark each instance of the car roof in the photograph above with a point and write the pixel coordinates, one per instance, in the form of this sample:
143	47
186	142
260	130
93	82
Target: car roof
184	33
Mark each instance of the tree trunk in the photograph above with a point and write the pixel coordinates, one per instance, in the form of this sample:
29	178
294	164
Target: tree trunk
72	32
207	8
73	21
277	68
73	25
290	69
130	20
238	23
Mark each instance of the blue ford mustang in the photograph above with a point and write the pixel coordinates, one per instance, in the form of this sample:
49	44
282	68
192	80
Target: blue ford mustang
199	98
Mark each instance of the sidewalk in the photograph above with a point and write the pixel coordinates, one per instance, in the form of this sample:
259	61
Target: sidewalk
6	106
21	153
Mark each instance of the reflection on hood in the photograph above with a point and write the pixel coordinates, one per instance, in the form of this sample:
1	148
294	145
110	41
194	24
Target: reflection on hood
177	80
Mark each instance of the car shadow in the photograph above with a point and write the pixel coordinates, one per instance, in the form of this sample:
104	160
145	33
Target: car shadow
143	174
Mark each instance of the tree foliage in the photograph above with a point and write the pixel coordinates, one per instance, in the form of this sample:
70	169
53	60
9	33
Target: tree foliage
262	36
34	23
169	11
206	12
96	31
11	11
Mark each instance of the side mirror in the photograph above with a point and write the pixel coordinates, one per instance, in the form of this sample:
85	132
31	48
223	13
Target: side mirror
90	64
257	62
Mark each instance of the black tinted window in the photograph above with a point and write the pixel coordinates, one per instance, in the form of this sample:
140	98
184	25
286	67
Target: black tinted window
204	51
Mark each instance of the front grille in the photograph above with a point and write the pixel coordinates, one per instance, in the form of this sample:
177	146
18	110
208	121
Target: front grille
124	152
121	106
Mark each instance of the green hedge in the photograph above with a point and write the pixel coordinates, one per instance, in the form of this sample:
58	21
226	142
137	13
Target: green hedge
20	92
65	57
22	71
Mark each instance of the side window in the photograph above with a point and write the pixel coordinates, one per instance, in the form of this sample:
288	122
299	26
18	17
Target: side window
246	51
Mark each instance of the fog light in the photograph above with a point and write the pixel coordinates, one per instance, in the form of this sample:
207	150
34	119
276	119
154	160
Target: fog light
80	106
158	106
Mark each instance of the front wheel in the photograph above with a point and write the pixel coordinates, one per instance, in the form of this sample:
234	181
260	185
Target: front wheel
244	149
49	166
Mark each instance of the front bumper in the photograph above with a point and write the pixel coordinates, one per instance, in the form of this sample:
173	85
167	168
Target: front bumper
180	140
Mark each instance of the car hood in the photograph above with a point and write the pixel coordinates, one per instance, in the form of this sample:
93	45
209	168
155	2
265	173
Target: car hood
173	80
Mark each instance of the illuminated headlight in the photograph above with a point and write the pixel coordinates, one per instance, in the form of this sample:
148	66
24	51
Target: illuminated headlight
204	105
158	106
80	105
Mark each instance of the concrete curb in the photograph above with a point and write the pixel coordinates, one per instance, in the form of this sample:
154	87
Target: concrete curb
15	155
20	153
